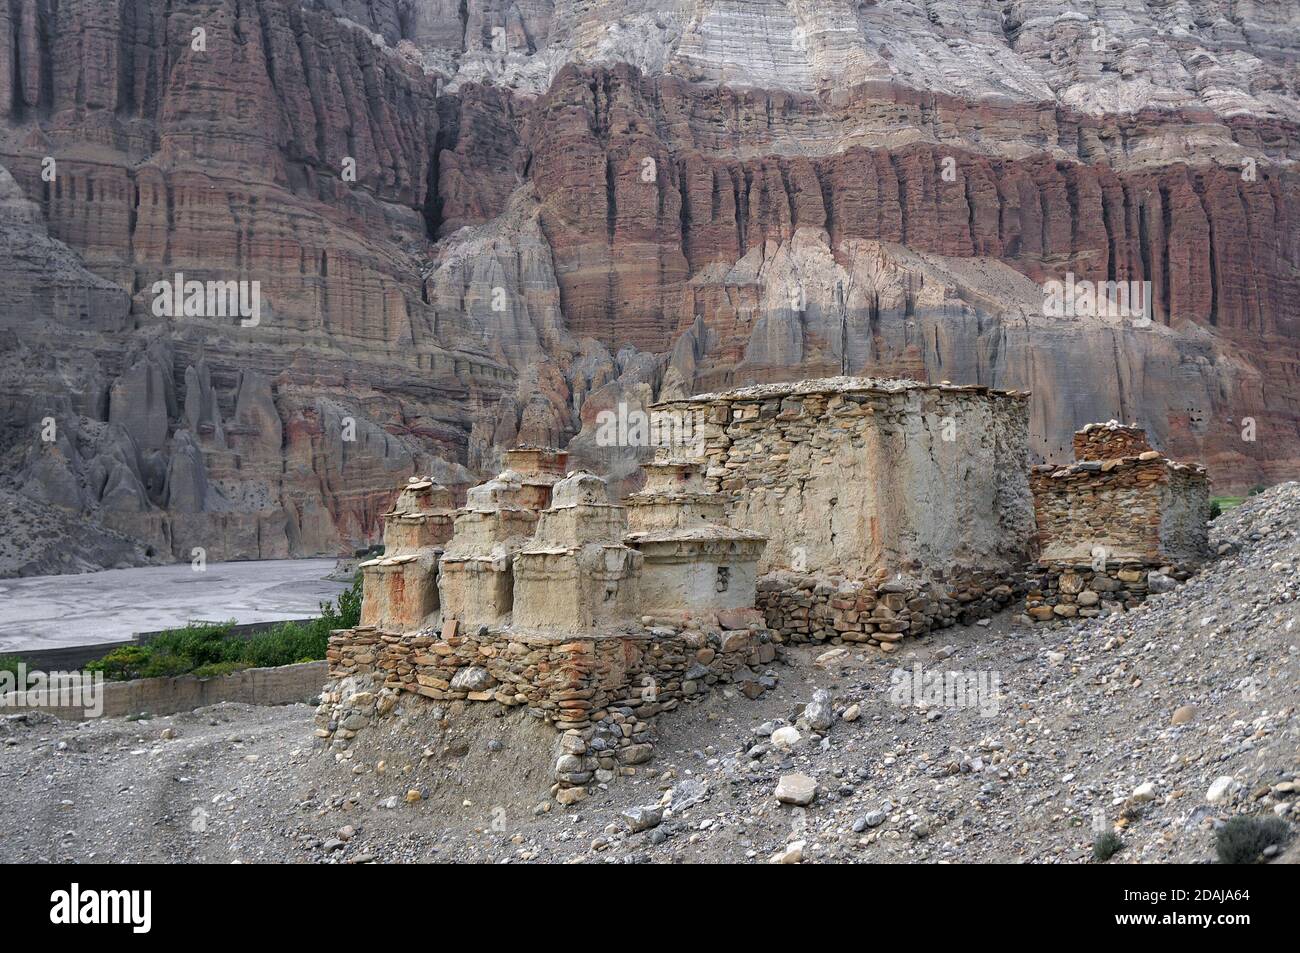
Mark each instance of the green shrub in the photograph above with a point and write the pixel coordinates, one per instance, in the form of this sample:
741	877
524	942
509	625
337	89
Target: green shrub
200	642
1215	510
287	643
1243	839
209	649
1106	846
348	613
217	669
164	664
122	664
10	663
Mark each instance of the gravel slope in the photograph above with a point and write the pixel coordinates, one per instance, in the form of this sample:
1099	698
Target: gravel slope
1083	739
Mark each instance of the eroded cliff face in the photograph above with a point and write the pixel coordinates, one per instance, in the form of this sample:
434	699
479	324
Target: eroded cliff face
482	223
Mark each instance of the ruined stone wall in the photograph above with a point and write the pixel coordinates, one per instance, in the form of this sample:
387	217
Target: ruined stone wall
1184	537
834	609
1150	511
1118	524
1062	591
601	691
869	478
1109	441
562	680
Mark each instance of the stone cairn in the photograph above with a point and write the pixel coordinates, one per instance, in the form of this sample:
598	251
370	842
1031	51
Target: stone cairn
539	605
1120	522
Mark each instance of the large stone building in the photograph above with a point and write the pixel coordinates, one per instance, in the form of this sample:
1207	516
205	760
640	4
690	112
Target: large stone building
845	509
873	494
872	477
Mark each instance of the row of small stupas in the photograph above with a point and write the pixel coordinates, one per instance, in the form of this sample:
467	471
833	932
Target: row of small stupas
548	551
848	480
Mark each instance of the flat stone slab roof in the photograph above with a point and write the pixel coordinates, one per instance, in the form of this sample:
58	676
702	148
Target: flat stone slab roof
838	385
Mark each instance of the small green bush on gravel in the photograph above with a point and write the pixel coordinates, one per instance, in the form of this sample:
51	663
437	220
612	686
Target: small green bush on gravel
1106	846
1243	839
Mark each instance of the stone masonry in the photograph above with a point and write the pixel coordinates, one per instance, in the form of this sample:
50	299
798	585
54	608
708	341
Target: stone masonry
842	510
1112	528
542	610
890	506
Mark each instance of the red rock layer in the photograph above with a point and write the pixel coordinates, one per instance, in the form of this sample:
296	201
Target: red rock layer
633	214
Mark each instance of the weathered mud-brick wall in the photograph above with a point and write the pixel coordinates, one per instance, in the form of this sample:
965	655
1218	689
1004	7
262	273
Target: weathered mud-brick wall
867	478
890	507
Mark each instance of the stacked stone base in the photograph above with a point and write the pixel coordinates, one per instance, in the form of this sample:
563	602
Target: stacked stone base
601	691
1064	591
834	609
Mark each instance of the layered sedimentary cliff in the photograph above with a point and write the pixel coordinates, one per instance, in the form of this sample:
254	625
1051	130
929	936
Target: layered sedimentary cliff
480	223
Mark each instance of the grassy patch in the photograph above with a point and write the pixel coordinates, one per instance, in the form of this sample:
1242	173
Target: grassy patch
208	649
1221	505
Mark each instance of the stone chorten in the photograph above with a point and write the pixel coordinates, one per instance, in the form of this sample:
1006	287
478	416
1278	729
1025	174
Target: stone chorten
1114	525
1123	498
694	561
400	588
539	469
576	574
474	577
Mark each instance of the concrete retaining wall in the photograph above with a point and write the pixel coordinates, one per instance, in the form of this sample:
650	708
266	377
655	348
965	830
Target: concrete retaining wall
282	685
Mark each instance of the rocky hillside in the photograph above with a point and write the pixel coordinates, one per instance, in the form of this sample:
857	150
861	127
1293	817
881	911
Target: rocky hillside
481	223
1158	725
